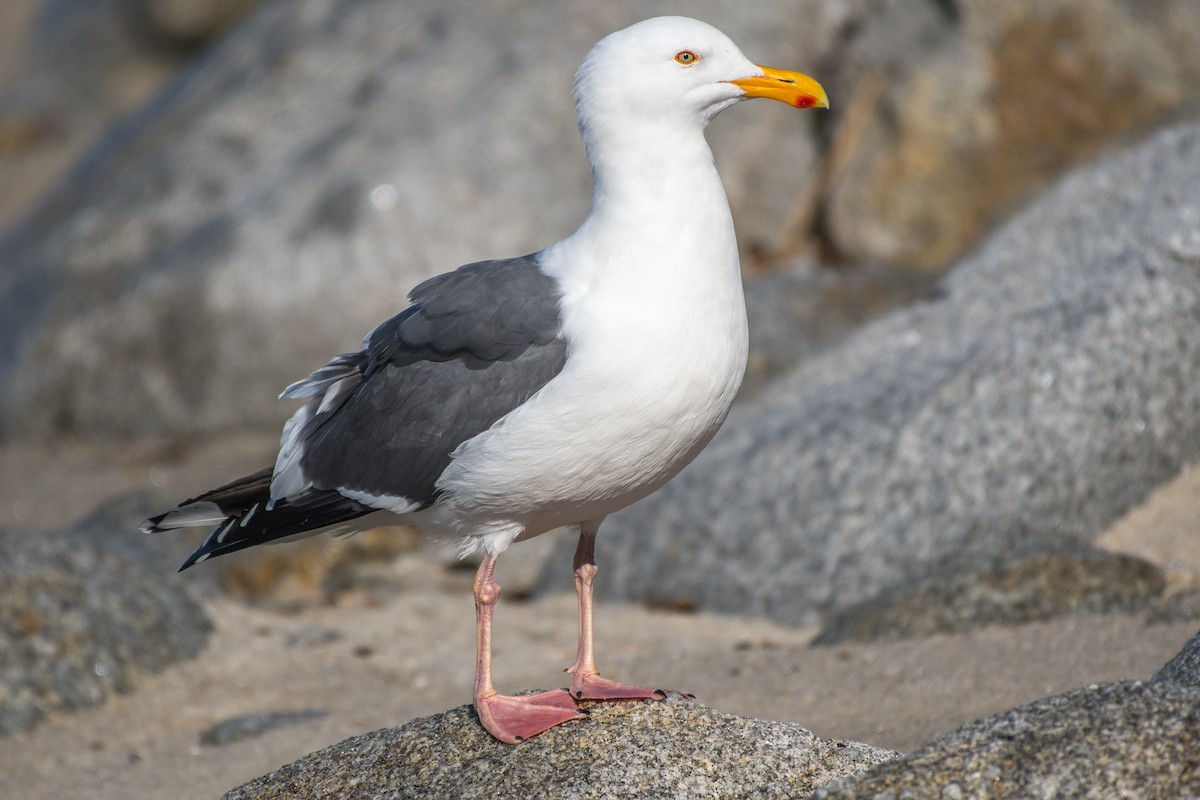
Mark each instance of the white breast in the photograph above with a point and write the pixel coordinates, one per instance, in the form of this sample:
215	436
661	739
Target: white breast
656	328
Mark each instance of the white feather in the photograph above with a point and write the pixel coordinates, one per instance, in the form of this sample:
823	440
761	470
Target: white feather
194	515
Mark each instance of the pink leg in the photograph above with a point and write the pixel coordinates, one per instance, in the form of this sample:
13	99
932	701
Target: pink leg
509	719
587	684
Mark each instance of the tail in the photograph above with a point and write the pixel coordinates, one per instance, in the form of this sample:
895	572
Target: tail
244	515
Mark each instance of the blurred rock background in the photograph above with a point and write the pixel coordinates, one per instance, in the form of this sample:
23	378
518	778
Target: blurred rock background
70	68
974	289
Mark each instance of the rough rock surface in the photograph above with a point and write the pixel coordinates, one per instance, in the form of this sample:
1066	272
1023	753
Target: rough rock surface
675	748
84	63
1048	388
188	23
1129	739
1184	669
983	104
328	155
248	726
78	623
1008	589
1182	605
798	311
87	61
76	66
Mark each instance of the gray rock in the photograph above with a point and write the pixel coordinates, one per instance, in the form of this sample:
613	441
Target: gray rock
113	527
283	196
798	311
984	104
1049	388
1009	590
1179	606
249	726
674	748
84	64
1184	668
312	636
188	23
87	61
78	623
1130	739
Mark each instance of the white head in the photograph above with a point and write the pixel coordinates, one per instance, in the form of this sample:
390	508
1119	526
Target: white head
676	70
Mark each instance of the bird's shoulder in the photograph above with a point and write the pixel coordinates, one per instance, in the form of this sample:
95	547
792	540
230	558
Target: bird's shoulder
482	312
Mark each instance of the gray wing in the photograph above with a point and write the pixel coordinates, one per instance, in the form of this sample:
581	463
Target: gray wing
475	344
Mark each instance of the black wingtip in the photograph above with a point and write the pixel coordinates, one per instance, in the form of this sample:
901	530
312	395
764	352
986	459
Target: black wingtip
193	559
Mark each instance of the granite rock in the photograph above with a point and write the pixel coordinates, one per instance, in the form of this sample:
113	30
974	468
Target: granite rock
800	309
1130	739
87	61
189	23
1011	589
1181	605
982	105
675	748
249	726
1184	668
84	64
1047	388
79	623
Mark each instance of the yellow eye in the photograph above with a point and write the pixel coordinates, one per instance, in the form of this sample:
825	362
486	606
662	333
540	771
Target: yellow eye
686	57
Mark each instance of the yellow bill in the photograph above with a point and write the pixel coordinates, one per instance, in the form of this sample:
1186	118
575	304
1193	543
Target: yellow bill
793	88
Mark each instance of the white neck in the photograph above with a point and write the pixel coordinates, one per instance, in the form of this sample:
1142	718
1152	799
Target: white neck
652	274
659	214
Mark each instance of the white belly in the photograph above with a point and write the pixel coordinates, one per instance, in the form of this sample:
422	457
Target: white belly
633	405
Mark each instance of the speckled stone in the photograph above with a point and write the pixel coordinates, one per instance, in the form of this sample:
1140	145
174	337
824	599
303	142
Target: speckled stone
676	748
248	726
1008	590
982	103
1123	740
1184	668
78	623
1179	606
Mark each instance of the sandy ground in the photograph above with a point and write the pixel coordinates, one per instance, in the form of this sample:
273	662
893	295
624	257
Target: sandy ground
371	661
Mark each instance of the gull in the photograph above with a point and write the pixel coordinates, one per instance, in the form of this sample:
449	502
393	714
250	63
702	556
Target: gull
519	395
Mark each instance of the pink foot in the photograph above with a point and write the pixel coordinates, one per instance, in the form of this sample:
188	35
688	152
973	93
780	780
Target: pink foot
590	686
514	719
